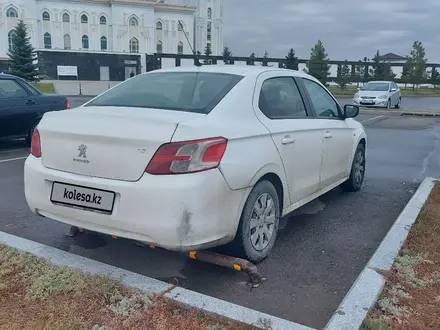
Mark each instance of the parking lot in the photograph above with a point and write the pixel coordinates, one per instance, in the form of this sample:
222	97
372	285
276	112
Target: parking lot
320	251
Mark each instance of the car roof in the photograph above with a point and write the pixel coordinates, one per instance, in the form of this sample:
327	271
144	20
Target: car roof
380	81
242	70
6	75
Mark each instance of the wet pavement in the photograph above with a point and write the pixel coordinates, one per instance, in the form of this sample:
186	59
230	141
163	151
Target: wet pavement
321	248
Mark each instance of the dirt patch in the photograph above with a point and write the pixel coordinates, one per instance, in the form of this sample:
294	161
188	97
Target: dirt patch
411	297
35	294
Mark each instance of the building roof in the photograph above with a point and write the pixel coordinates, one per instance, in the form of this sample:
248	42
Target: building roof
392	56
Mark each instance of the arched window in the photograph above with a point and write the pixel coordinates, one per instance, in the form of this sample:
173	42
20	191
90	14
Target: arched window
158	26
66	18
209	13
134	45
102	20
84	19
179	26
12	13
133	21
103	43
46	16
85	42
11	39
180	48
67	42
159	47
47	41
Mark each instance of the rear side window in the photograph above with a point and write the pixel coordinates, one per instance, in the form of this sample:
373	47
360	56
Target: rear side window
9	88
197	92
280	99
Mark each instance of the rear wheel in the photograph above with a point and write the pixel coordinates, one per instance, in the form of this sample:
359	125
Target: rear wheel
356	179
258	227
31	131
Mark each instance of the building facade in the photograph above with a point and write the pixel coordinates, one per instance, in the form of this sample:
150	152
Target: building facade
115	26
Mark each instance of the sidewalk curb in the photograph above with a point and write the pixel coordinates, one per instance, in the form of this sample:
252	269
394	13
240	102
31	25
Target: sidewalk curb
368	286
429	113
186	297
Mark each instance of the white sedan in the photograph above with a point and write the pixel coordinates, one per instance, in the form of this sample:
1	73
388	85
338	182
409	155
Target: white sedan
193	158
382	94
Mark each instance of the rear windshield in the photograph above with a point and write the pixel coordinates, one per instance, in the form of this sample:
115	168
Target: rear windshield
196	92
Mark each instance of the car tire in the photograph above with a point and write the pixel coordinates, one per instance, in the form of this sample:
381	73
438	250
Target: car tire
357	173
266	222
30	133
388	106
399	103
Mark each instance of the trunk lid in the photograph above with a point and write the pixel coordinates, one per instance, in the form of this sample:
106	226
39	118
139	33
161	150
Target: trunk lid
106	142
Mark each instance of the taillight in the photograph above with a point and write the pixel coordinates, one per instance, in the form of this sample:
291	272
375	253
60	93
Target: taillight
188	156
36	144
67	104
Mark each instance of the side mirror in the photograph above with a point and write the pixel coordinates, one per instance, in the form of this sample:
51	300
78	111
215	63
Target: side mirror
393	89
350	111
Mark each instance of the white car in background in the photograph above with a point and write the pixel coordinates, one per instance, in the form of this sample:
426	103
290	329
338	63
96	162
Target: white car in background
216	159
382	94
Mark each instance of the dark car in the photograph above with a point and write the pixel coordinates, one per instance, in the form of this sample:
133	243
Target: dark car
22	106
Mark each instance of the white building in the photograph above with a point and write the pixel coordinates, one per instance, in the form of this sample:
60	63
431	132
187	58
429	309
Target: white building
123	26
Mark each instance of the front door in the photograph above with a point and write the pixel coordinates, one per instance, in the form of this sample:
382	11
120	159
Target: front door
338	136
298	138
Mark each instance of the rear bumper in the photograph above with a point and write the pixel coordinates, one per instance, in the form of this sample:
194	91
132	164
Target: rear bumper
175	212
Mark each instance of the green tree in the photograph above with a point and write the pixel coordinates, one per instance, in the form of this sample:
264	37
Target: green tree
226	55
359	72
381	70
435	77
22	55
251	60
344	75
366	75
405	73
291	60
417	64
317	65
265	61
207	54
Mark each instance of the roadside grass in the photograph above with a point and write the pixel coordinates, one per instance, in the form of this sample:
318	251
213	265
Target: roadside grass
35	294
411	296
45	88
409	92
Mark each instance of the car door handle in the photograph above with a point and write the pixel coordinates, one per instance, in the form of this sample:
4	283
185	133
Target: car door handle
328	135
30	102
287	140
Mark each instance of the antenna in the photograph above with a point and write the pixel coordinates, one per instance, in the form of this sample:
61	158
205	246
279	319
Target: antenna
196	55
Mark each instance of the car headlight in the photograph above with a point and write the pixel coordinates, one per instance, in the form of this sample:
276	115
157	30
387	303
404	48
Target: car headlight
383	97
356	96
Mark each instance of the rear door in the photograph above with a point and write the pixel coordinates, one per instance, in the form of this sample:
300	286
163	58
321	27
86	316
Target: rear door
280	107
338	136
13	108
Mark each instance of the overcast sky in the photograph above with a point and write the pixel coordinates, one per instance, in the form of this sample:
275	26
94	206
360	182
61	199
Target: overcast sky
349	29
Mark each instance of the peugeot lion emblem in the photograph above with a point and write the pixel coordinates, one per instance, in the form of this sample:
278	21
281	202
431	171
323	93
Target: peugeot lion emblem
82	151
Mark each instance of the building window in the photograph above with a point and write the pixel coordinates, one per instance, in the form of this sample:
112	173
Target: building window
158	26
134	45
103	43
102	20
12	13
159	47
84	19
46	16
11	39
133	21
67	42
180	48
66	18
85	42
209	13
209	31
179	26
47	41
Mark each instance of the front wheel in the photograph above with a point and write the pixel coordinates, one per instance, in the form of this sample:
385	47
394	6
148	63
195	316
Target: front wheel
356	179
399	103
258	227
388	104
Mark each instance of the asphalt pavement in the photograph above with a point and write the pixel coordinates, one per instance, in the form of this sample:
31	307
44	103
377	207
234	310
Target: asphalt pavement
321	248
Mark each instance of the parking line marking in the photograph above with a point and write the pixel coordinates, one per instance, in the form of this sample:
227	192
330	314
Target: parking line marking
364	121
11	159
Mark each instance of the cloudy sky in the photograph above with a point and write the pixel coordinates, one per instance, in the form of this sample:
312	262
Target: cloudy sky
349	29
